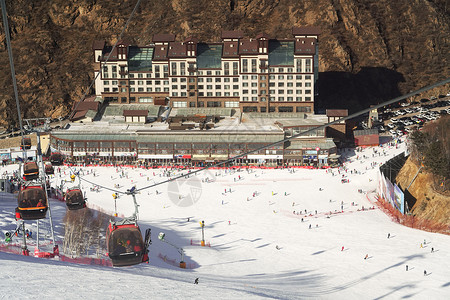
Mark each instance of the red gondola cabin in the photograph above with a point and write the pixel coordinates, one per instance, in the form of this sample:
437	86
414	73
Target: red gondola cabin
74	199
26	143
32	203
30	171
56	159
125	245
49	170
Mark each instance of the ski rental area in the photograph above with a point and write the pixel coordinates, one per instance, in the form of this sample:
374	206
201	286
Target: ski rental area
267	233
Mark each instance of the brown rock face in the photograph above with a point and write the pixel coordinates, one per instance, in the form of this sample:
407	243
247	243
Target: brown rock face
369	50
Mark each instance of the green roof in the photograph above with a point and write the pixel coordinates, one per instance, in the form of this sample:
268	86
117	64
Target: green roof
281	53
117	109
165	137
313	144
140	59
209	56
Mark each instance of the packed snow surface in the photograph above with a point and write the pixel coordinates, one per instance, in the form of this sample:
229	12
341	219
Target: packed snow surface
260	241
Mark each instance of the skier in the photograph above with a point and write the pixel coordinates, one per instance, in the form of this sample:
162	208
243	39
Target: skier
389	235
432	249
367	256
342	249
309	226
278	248
424	272
196	281
406	268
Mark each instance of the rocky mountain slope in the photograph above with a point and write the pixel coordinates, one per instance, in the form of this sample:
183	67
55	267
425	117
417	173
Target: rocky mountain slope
369	50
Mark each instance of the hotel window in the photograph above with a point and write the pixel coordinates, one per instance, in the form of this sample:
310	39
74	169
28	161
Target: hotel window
254	92
191	87
183	94
263	92
235	87
307	84
244	98
217	72
105	72
191	94
157	72
280	84
263	77
182	79
123	90
308	66
235	68
218	80
290	92
272	98
307	91
183	69
146	99
174	94
226	87
244	77
218	94
244	91
200	87
132	82
123	83
149	89
218	86
290	84
280	76
174	87
200	80
183	87
263	99
280	91
149	75
271	92
226	94
298	99
235	94
158	89
235	79
298	92
114	71
253	65
106	89
166	82
157	82
166	71
280	70
290	70
271	70
262	84
244	66
209	79
174	79
290	77
209	73
132	89
254	98
245	84
307	77
298	84
131	75
140	75
254	77
174	68
298	77
299	66
271	84
307	98
226	67
114	82
148	82
106	82
209	94
192	80
200	94
140	82
140	89
271	77
280	98
209	87
254	84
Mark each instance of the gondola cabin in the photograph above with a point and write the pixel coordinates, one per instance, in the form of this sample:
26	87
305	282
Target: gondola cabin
49	170
32	203
56	159
30	171
125	245
74	199
26	143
